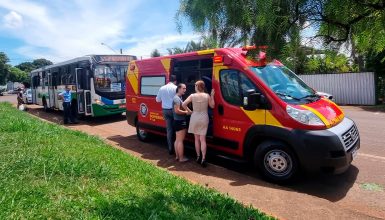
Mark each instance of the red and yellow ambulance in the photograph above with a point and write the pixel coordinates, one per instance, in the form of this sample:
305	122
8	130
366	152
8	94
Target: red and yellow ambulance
263	111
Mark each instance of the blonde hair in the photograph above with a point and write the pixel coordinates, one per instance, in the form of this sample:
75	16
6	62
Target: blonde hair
200	85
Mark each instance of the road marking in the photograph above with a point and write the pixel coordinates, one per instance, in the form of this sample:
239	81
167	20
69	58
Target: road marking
372	156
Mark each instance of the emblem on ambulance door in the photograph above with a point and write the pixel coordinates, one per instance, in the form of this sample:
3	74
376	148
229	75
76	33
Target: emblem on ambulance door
143	109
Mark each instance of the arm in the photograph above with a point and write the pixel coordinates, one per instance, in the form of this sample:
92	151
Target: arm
158	99
211	99
178	110
186	102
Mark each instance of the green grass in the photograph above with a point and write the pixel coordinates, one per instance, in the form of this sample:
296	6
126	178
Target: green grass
49	172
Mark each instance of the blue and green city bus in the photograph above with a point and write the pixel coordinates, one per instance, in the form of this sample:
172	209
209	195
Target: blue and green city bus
97	84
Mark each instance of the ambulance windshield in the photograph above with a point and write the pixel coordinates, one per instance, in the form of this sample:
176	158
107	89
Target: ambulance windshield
286	84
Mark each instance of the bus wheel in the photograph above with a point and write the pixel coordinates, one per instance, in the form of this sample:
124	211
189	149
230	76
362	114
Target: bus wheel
142	134
45	106
276	161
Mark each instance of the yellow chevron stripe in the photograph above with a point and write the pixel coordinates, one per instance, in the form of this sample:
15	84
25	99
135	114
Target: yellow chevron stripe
166	64
132	76
323	119
271	120
257	116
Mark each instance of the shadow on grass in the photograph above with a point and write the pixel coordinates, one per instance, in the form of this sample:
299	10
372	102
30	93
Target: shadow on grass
330	187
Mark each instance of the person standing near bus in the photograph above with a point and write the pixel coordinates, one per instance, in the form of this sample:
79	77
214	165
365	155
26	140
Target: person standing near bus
180	124
19	98
166	95
199	120
66	97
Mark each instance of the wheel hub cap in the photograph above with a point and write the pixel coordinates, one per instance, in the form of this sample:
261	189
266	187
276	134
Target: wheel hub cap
278	162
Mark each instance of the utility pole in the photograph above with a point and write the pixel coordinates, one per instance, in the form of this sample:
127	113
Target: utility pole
111	48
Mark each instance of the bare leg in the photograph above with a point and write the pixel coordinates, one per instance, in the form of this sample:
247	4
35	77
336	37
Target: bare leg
197	145
202	139
176	147
179	146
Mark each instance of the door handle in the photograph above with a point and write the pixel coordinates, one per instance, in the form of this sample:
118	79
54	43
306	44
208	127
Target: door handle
220	109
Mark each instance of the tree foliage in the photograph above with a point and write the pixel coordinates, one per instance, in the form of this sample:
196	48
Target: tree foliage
3	67
190	47
155	53
18	73
359	23
35	64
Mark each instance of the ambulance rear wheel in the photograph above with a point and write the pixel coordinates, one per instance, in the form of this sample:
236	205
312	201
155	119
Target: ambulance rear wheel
142	134
276	161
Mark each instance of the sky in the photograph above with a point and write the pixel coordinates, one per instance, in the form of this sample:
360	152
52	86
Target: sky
61	30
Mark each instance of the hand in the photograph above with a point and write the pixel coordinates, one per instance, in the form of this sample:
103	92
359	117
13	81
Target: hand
212	93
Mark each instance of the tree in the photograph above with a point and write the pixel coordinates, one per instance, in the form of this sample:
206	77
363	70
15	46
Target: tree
26	66
230	23
38	63
17	75
155	53
3	67
190	47
269	22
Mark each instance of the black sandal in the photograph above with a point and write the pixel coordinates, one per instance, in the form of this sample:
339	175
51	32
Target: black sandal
203	163
198	160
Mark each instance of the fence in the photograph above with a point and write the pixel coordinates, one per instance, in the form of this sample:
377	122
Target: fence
346	88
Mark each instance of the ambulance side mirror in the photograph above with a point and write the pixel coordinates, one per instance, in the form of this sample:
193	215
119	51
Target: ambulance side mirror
253	100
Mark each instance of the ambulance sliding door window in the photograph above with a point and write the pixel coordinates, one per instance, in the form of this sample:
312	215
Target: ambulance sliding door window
234	86
150	85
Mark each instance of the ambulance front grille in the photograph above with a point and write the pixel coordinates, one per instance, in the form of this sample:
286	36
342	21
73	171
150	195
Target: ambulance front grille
350	137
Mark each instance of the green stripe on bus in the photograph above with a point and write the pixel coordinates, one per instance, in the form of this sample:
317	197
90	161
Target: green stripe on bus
99	110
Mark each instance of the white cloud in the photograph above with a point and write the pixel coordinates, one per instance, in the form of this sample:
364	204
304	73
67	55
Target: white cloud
60	30
13	20
145	46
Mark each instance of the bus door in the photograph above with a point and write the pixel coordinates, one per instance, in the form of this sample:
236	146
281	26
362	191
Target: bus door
231	121
51	91
34	84
80	92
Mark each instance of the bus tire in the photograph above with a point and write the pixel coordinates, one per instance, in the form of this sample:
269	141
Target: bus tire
142	135
276	162
45	106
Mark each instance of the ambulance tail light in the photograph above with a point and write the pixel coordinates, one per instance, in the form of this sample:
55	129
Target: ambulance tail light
304	116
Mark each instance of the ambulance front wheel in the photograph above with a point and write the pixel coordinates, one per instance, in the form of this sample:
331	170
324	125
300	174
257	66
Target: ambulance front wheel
276	161
142	134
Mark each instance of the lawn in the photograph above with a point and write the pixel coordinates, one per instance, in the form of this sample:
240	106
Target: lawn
50	172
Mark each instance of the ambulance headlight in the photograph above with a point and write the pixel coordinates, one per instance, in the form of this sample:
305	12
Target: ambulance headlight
304	116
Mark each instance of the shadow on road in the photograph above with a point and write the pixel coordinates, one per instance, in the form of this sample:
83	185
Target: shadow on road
330	187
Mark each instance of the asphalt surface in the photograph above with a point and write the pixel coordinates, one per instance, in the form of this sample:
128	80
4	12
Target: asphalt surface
358	193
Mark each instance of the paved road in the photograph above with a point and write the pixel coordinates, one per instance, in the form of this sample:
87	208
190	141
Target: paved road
356	194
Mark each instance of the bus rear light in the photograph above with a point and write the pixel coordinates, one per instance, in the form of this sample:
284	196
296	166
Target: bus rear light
218	59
